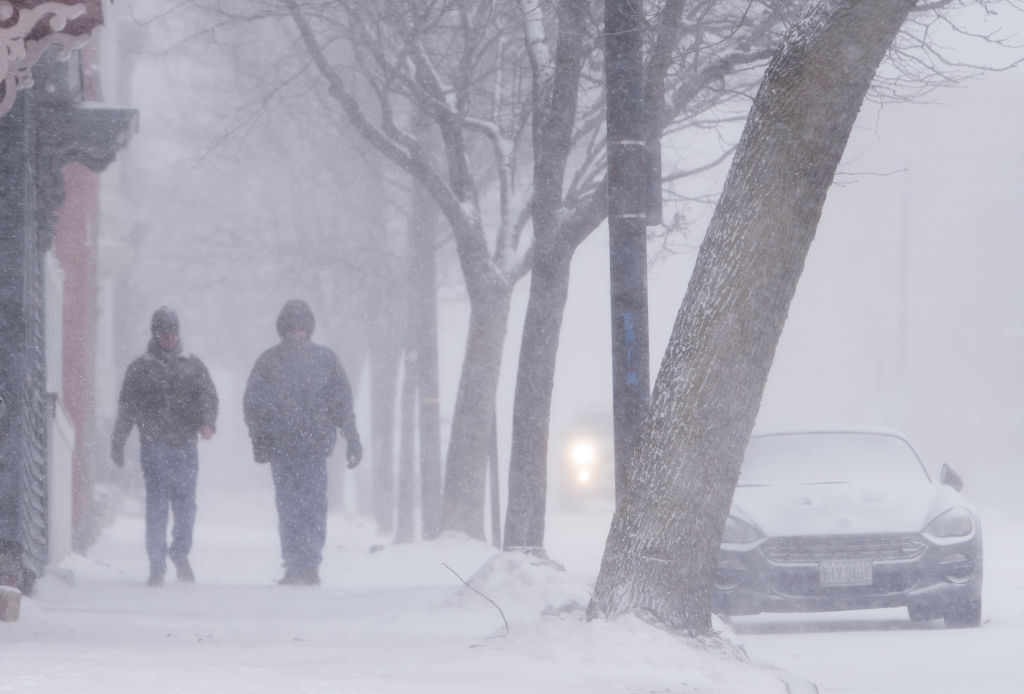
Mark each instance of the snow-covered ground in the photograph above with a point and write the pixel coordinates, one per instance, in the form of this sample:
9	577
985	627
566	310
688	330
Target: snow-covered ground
397	618
388	618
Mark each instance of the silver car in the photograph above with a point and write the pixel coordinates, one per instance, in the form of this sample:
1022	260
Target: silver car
842	520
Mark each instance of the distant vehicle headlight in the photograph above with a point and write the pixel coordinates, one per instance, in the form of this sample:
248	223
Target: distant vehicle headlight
954	523
739	532
583	453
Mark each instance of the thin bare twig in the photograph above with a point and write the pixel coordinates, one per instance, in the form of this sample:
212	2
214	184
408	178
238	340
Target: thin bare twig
454	573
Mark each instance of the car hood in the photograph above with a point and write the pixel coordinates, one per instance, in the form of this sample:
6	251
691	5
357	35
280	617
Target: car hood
842	508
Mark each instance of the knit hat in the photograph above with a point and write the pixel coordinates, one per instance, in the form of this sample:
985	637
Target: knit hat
295	315
164	321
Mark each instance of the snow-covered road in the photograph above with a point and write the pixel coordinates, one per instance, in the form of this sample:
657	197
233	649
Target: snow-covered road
883	652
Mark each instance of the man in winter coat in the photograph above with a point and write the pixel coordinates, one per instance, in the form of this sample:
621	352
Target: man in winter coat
296	400
170	397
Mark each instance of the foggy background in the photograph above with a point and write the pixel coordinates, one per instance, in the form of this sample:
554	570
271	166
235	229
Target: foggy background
910	311
908	315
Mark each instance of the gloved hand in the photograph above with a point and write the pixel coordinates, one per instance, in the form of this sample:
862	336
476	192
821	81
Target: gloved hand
117	456
354	453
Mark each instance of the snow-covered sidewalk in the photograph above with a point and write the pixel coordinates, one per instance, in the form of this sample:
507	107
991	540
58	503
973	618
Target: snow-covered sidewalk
388	618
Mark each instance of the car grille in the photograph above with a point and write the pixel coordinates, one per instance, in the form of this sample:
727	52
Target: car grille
805	550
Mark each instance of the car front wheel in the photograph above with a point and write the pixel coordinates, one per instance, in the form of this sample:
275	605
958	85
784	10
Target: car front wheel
922	613
964	614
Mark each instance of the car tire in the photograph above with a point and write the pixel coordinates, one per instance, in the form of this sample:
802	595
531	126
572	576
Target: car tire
922	613
964	615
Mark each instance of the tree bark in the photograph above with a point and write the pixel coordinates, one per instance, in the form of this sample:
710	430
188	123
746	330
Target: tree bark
661	554
557	240
466	470
527	475
554	113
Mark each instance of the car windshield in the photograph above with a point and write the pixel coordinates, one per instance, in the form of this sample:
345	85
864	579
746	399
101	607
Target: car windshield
829	458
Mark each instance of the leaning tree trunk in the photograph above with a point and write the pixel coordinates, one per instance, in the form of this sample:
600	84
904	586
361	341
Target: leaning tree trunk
662	549
465	479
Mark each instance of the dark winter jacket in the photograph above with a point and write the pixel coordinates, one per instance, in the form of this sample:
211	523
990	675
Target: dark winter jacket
169	395
296	400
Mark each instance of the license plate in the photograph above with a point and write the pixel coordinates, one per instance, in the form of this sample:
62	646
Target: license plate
845	572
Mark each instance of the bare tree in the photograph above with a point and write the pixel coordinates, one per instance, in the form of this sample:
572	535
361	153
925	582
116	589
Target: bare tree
704	61
702	58
454	61
449	60
521	127
662	550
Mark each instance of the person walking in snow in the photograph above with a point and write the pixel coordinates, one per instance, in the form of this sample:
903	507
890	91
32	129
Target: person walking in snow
296	399
170	397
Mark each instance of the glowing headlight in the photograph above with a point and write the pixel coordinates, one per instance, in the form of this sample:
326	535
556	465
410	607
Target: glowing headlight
956	522
583	453
739	532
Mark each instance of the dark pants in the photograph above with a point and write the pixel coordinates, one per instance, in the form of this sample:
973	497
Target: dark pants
170	472
300	489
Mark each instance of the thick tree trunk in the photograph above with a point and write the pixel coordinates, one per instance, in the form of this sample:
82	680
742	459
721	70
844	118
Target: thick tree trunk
662	549
466	468
527	476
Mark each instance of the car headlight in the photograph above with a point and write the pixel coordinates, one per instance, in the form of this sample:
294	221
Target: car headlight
583	453
954	523
739	532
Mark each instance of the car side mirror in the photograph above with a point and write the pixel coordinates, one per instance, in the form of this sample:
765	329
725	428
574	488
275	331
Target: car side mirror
950	478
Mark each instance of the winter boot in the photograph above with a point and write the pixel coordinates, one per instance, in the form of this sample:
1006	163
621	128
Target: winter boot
300	577
184	570
291	577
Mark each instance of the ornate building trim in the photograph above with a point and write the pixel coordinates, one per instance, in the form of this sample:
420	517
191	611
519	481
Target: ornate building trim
29	27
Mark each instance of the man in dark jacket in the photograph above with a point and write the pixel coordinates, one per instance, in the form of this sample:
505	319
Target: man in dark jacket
170	397
296	400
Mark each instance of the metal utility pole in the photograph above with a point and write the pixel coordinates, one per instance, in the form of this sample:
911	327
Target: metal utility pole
627	203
